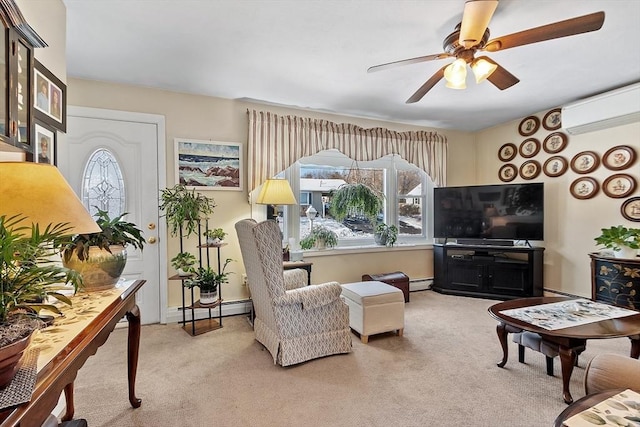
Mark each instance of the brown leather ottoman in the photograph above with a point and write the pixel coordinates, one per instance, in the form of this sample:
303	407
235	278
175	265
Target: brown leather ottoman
396	279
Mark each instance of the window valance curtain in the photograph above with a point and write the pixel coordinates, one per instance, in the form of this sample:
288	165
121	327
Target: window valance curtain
276	142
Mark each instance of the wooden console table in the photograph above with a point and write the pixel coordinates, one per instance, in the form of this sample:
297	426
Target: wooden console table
58	368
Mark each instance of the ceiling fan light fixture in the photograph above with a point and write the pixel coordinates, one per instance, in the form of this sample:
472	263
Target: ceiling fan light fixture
482	68
456	74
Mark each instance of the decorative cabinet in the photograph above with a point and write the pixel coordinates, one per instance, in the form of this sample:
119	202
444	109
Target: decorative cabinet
16	65
615	280
488	271
213	312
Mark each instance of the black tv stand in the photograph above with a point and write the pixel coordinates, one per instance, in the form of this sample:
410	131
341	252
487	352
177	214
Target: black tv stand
495	272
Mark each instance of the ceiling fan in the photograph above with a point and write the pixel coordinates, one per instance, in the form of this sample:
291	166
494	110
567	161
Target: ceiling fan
472	35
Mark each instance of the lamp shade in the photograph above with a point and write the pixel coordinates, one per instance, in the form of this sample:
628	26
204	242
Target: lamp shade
39	193
276	192
455	74
482	68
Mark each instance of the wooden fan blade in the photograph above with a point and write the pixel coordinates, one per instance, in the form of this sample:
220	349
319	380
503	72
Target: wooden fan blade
407	62
475	19
569	27
501	78
426	87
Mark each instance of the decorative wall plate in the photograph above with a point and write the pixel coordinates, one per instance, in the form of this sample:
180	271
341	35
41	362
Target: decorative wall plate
584	188
555	166
555	142
529	148
508	172
529	126
619	157
630	209
507	152
585	162
619	185
530	169
553	119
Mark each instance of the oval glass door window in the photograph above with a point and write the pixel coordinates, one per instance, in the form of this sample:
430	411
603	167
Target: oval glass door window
102	184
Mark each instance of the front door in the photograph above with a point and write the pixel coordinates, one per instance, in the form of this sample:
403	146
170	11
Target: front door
133	144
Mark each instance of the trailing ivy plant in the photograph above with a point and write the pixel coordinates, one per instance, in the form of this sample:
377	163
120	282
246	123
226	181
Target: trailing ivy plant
184	208
356	199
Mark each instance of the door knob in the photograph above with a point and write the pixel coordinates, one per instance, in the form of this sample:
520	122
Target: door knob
151	226
151	240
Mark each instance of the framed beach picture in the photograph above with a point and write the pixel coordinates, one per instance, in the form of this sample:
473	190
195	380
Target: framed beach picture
209	165
50	98
44	147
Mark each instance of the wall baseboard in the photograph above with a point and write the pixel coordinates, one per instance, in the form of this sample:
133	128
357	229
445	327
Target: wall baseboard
232	308
422	284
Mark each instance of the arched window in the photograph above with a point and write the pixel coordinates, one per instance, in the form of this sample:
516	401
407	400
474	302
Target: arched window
103	185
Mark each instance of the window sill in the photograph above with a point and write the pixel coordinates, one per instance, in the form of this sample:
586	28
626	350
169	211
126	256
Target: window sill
349	250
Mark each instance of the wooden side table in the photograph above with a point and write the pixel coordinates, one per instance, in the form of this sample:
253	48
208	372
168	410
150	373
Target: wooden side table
582	404
290	265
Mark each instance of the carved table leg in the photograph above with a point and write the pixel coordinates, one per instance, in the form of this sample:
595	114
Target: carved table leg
567	360
501	329
68	398
133	317
635	346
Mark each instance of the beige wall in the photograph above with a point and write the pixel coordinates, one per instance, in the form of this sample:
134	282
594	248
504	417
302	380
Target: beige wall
570	224
207	118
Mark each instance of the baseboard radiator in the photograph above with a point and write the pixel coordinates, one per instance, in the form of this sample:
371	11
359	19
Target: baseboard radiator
420	284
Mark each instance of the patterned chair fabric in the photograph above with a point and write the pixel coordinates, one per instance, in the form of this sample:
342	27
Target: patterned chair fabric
294	322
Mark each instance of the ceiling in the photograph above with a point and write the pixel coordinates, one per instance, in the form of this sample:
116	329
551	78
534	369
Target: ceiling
314	54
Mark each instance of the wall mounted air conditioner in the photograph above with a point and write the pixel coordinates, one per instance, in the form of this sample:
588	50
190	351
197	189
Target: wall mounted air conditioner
609	109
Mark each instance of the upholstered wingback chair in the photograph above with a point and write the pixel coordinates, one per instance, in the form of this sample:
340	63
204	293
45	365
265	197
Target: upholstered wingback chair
609	371
294	322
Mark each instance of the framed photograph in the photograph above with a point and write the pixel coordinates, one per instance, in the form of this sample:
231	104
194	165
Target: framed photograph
585	162
508	172
507	152
584	188
528	126
555	142
530	169
44	147
630	209
50	98
209	165
553	119
529	148
555	166
619	185
619	157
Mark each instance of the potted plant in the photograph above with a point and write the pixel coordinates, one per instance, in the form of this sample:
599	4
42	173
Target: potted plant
624	241
101	257
29	274
319	237
208	281
356	199
184	209
386	235
215	235
183	262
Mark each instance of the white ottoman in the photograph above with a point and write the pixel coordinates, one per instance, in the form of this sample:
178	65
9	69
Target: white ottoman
374	308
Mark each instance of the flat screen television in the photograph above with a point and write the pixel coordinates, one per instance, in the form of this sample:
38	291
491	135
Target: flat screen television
504	211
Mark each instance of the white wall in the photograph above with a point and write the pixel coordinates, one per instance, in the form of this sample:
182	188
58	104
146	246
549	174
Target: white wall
570	224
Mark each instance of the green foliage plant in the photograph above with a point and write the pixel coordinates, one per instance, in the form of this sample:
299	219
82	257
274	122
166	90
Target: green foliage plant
184	261
208	279
356	199
388	234
617	236
184	208
29	271
215	233
317	234
115	231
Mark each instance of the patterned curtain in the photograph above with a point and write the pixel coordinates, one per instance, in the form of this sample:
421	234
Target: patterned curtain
276	142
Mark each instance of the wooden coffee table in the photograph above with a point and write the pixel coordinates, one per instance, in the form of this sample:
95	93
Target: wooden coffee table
567	338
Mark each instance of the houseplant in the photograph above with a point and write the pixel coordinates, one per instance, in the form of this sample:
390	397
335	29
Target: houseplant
29	275
319	237
184	209
356	199
101	257
624	241
208	281
386	235
183	262
214	235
